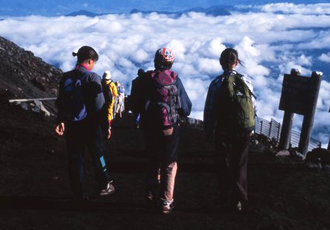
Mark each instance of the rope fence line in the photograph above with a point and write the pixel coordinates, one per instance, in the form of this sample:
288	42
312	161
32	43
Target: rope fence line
34	99
271	129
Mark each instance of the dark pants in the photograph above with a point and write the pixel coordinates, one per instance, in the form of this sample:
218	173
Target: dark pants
79	137
231	157
162	161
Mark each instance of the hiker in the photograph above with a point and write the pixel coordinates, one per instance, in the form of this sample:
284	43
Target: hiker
160	99
82	120
110	94
229	98
136	100
120	99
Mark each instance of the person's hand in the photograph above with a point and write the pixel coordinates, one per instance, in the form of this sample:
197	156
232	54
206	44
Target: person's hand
109	133
60	128
168	132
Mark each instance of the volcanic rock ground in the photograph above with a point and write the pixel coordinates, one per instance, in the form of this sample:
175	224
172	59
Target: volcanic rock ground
34	186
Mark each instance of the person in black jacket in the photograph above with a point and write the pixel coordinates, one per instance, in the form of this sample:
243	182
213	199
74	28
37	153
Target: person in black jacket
160	99
89	128
231	141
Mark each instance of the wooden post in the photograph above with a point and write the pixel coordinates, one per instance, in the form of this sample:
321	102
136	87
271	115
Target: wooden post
308	121
286	131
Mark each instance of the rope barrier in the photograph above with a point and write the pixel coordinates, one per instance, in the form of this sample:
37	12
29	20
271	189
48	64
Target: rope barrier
35	99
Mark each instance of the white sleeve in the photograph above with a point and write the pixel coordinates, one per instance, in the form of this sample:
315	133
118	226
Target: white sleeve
248	82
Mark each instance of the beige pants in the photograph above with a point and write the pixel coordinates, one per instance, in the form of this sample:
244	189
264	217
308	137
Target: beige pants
168	181
162	151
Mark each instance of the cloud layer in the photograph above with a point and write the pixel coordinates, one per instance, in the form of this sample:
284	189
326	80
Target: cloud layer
271	40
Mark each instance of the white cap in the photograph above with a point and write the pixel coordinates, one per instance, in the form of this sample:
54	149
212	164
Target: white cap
107	75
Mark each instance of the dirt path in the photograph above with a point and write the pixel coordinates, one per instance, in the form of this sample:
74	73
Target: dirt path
34	187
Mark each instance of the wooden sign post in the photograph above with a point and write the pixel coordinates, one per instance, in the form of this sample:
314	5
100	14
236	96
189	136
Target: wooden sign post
299	95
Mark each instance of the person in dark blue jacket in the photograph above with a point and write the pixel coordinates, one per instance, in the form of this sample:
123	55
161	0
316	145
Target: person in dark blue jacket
160	99
86	131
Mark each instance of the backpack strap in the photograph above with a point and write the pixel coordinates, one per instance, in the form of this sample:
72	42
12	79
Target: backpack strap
240	77
251	93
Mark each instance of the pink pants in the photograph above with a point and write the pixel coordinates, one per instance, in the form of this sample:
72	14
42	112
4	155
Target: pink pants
162	166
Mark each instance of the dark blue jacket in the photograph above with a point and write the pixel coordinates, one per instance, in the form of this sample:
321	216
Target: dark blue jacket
93	95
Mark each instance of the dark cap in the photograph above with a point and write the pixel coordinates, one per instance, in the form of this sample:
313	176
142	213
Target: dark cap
85	53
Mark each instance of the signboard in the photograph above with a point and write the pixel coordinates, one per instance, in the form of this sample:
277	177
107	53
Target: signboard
298	94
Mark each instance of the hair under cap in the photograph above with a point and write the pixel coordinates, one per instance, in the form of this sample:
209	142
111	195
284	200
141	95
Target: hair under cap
85	53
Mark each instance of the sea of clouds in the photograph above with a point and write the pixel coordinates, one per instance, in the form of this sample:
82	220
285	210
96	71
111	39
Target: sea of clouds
271	40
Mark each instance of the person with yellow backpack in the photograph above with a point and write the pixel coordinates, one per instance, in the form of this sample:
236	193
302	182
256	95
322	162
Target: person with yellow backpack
110	94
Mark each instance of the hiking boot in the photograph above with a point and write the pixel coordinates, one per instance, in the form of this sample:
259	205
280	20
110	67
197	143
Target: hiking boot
166	207
109	189
239	206
151	195
151	201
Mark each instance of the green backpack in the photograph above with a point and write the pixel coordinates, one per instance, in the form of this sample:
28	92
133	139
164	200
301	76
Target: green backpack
235	109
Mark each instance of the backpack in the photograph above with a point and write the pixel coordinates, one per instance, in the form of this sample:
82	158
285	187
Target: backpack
235	109
71	102
163	100
107	93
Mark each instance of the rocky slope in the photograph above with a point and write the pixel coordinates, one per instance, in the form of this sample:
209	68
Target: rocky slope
22	75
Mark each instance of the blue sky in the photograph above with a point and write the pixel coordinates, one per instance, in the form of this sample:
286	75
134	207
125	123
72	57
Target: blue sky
63	7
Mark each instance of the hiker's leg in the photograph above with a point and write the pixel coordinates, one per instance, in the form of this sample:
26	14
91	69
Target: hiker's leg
153	179
111	110
96	149
222	168
168	180
239	167
75	147
153	147
169	165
